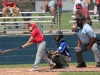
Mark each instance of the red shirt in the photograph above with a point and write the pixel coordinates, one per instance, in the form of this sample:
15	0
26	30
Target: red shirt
6	3
60	3
38	36
98	1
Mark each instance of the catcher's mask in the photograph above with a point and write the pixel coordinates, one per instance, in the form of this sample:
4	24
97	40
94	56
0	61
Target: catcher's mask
79	21
32	24
59	34
78	6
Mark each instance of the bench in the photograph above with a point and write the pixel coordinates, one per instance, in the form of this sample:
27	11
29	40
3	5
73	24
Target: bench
91	16
40	20
91	20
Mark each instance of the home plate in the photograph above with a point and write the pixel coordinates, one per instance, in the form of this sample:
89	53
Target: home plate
13	71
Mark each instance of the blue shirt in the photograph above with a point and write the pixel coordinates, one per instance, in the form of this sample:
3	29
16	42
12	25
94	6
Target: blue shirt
86	33
63	49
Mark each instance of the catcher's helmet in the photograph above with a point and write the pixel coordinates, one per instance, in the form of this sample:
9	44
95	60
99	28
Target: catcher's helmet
60	34
32	24
78	6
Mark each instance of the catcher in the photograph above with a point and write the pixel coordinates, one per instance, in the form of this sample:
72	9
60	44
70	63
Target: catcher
61	56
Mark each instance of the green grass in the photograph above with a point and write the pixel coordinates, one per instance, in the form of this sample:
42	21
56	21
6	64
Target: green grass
20	65
30	65
80	73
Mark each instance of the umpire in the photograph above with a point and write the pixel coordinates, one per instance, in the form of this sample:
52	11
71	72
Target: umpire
62	55
86	42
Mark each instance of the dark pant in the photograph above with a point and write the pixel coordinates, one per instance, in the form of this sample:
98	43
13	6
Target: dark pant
98	10
0	15
83	48
26	15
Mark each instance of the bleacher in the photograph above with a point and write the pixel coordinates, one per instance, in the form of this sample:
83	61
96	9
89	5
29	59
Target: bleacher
91	16
40	20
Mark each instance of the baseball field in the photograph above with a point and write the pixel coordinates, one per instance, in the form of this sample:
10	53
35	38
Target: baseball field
21	69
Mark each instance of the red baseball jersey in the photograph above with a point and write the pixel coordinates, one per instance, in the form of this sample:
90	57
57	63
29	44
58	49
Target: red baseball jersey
38	36
8	3
60	3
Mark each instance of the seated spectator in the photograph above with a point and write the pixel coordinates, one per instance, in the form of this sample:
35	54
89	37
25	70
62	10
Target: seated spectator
26	6
85	12
1	14
85	7
97	7
0	8
9	8
74	8
49	6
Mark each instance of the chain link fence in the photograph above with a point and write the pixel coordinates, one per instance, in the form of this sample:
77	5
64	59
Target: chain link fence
61	23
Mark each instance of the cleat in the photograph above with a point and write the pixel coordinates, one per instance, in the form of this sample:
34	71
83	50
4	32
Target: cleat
52	66
81	65
32	69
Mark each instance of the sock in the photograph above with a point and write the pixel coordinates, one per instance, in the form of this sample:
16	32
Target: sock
43	11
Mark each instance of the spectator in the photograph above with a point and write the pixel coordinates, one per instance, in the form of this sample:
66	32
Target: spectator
49	5
74	8
85	7
62	55
86	41
26	6
1	14
9	8
85	12
80	12
0	8
97	7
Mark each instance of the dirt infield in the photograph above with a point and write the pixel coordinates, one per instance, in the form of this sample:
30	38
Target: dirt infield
46	71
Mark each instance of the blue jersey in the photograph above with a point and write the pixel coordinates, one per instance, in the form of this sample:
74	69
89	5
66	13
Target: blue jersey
63	49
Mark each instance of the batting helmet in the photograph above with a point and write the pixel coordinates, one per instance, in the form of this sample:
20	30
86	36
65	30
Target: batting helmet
78	6
32	24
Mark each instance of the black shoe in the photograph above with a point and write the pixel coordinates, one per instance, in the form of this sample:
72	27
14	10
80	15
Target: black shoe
95	18
81	65
98	65
16	25
3	23
98	17
53	21
4	32
41	14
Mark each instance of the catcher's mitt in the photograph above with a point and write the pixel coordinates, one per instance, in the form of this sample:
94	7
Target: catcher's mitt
49	53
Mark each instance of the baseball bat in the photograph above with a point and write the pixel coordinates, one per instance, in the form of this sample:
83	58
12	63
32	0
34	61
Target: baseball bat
9	50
